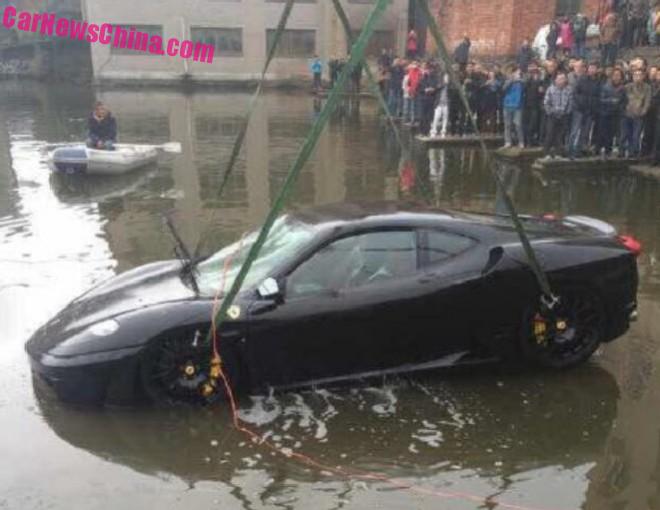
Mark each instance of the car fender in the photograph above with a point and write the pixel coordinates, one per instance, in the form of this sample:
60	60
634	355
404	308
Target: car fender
139	327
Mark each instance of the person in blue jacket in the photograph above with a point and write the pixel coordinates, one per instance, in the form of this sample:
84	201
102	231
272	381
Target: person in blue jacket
102	128
513	108
317	69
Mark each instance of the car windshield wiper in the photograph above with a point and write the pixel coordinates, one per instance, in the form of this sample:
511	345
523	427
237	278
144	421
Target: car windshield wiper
188	261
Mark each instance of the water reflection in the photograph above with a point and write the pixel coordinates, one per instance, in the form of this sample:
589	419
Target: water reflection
588	437
493	425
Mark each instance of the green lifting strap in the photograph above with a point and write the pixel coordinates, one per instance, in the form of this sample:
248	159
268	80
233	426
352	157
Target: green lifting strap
240	138
370	77
356	56
548	297
376	91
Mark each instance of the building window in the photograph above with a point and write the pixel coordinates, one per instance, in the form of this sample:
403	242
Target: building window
136	39
568	7
228	42
293	43
380	40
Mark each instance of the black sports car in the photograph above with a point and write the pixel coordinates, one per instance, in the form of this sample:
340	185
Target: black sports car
343	292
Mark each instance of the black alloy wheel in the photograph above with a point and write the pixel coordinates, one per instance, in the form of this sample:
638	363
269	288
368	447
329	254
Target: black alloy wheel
177	370
567	336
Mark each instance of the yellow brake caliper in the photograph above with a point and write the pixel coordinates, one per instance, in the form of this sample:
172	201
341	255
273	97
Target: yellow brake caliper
540	328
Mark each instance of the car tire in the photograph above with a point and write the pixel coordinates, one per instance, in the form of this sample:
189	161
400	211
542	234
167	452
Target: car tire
582	311
163	377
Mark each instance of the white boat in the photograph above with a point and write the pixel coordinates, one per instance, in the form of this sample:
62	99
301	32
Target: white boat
124	158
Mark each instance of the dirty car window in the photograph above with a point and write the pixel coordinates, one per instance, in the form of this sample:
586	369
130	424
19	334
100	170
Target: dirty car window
355	262
286	238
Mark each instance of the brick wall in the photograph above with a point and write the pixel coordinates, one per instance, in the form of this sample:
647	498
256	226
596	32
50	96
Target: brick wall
497	27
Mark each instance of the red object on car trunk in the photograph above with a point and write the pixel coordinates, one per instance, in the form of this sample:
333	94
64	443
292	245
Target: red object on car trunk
632	244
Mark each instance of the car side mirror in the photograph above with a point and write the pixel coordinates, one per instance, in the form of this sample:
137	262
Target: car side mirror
269	289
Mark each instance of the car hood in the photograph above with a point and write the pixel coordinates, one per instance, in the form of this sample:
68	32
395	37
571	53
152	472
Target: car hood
139	288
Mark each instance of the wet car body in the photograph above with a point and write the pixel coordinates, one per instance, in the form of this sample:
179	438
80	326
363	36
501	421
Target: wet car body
459	292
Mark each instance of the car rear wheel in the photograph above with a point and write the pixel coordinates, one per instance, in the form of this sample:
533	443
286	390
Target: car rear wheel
178	369
568	336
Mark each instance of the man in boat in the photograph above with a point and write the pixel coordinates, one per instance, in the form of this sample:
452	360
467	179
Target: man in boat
102	128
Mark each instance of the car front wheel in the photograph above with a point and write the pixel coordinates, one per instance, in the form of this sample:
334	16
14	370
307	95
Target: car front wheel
178	369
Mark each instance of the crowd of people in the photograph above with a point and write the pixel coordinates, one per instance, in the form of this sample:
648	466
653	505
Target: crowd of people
572	108
623	24
569	104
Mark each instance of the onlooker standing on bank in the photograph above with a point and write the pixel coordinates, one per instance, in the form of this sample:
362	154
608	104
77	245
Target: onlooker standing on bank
534	95
525	56
639	13
580	26
610	35
566	40
410	89
586	95
639	96
412	44
441	113
428	86
513	106
656	107
653	25
489	95
395	99
317	70
558	105
551	40
462	53
612	105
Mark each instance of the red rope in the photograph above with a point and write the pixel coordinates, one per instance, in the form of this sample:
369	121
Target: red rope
304	459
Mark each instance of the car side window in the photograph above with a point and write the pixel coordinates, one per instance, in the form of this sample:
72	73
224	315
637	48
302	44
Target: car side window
438	246
355	262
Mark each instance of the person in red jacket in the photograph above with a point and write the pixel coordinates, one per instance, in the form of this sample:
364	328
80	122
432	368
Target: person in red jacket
412	44
410	93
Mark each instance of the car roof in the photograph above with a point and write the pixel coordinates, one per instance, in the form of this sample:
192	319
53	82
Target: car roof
367	215
371	212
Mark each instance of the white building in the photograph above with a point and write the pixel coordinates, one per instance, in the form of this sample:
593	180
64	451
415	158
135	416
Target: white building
240	30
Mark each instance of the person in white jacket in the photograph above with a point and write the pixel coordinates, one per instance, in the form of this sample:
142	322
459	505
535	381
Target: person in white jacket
407	103
441	115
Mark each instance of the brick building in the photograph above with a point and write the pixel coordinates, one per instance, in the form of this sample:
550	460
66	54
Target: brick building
497	27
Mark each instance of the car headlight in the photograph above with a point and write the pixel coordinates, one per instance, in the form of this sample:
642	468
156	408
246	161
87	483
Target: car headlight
105	328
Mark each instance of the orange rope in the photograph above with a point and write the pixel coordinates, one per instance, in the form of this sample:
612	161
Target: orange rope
337	470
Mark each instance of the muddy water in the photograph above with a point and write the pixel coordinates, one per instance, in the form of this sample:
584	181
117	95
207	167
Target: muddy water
589	438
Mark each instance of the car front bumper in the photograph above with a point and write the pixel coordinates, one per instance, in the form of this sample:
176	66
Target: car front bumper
91	378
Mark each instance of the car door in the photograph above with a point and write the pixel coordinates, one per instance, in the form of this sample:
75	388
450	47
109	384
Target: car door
344	311
452	282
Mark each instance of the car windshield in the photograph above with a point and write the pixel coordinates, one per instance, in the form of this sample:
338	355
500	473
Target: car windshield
286	238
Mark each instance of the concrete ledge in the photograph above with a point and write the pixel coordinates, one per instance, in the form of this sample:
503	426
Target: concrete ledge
646	170
584	164
518	153
459	141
